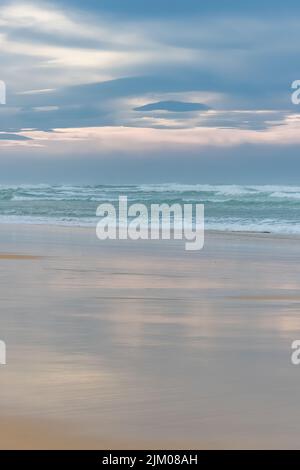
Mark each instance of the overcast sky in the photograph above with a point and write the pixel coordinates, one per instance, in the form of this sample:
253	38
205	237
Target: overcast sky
113	91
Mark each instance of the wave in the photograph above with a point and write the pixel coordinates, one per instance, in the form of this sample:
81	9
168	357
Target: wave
287	195
225	189
96	190
272	208
229	225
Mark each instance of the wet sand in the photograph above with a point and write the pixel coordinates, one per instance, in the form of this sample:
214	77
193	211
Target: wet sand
144	345
24	434
16	256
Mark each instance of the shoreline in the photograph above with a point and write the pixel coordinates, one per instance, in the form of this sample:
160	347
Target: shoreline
90	228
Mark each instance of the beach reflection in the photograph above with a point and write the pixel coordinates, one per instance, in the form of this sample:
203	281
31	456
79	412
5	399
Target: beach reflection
152	342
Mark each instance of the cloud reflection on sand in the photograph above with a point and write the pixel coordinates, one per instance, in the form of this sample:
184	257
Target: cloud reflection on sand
150	341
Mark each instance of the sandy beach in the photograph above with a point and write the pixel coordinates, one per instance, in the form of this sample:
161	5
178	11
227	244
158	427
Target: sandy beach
144	345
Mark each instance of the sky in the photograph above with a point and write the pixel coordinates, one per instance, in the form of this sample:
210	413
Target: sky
114	91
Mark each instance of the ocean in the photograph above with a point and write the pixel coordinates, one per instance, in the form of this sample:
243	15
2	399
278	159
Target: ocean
263	208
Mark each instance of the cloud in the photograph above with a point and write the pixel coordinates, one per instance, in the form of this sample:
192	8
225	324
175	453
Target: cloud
98	48
115	77
174	106
107	140
13	137
48	46
114	103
